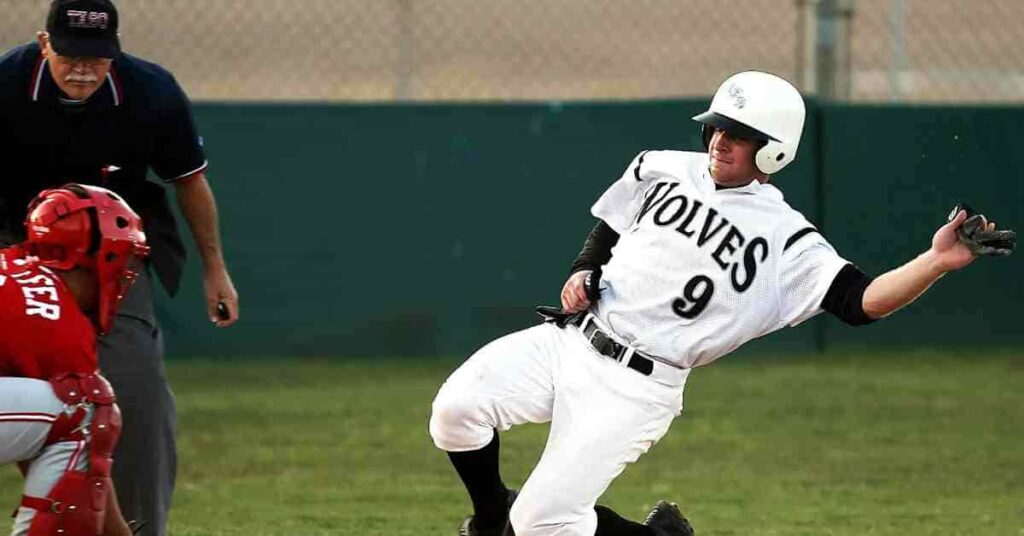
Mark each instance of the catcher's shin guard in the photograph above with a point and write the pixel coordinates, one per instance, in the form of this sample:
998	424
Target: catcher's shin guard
76	505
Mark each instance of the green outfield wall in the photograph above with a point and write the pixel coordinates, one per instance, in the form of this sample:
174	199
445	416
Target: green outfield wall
364	230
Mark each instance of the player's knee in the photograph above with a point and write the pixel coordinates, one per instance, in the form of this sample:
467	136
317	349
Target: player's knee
535	514
457	422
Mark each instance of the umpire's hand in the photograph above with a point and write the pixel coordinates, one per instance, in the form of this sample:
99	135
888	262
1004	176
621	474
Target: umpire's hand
221	297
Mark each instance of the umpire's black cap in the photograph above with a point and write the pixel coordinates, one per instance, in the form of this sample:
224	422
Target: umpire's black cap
83	28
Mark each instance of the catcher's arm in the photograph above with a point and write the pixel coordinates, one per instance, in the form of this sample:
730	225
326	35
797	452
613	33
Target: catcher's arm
113	522
955	245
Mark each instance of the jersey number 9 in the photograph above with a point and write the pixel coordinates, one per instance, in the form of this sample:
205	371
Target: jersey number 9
696	295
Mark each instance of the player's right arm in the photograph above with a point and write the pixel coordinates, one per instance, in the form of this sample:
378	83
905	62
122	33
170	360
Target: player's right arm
596	252
615	211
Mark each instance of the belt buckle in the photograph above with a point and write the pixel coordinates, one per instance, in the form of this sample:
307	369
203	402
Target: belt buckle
593	335
604	344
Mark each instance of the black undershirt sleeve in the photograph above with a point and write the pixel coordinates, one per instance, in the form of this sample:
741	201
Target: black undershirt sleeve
845	297
597	249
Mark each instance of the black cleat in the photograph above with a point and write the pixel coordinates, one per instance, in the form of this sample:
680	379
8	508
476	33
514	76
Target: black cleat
467	528
667	520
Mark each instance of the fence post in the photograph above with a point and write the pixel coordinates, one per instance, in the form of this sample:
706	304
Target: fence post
832	55
404	62
806	45
897	38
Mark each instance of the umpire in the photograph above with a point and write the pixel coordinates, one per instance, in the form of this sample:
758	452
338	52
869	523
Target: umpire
73	107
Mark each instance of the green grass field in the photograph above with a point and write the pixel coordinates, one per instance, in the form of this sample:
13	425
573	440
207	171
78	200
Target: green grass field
843	445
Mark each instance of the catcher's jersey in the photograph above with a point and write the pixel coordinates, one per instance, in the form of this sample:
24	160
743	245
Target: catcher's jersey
698	271
43	333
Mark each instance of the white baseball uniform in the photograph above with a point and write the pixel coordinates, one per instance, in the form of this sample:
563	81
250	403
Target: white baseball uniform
28	408
696	272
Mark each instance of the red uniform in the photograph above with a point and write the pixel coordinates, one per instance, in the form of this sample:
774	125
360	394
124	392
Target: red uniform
63	426
44	333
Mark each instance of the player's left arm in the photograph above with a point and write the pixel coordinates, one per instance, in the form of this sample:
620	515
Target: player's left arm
898	287
200	210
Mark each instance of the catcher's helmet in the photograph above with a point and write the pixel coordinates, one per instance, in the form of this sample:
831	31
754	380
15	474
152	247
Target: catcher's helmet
78	225
762	107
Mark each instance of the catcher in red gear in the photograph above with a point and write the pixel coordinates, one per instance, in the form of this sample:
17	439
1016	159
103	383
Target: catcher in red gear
58	418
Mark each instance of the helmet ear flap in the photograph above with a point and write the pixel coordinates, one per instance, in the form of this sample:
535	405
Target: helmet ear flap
773	157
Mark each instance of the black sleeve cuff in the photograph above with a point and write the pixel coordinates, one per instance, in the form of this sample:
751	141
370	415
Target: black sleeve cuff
845	297
597	250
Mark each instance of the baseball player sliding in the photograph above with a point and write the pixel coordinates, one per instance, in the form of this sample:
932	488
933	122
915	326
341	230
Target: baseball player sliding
58	417
693	255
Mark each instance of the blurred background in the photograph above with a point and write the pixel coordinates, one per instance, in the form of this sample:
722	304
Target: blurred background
409	177
539	50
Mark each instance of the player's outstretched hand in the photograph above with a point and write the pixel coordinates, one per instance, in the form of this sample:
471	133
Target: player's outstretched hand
952	252
574	294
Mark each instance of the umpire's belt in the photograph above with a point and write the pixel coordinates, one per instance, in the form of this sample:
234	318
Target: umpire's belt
630	357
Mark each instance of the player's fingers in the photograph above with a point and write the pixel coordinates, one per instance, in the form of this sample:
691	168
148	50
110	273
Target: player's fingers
570	302
576	306
956	221
576	301
581	299
584	304
574	295
579	290
568	298
567	287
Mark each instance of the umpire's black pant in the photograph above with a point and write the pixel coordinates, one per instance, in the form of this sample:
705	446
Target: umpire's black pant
145	461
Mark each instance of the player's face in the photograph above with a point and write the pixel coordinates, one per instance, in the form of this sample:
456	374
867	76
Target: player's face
84	287
78	78
732	159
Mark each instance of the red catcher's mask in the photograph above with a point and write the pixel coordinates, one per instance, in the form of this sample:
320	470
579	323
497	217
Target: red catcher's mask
78	225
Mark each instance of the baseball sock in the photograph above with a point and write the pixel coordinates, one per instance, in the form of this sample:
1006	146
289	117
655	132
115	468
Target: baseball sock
478	470
611	524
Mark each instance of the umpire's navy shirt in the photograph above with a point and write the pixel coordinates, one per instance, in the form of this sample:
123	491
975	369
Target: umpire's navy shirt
138	119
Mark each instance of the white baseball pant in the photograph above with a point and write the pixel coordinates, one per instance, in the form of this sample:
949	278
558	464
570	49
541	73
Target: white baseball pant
28	408
603	416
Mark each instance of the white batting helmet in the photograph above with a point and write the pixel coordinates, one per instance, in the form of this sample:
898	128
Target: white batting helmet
759	106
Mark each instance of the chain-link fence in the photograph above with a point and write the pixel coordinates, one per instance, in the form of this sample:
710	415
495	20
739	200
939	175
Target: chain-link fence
384	50
938	50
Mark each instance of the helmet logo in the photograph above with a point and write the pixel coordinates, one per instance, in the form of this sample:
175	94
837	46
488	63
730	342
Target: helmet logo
736	92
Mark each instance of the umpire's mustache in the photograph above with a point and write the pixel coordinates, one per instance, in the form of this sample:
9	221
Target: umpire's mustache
82	78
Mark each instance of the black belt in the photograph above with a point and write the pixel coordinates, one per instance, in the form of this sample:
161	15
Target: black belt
609	348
